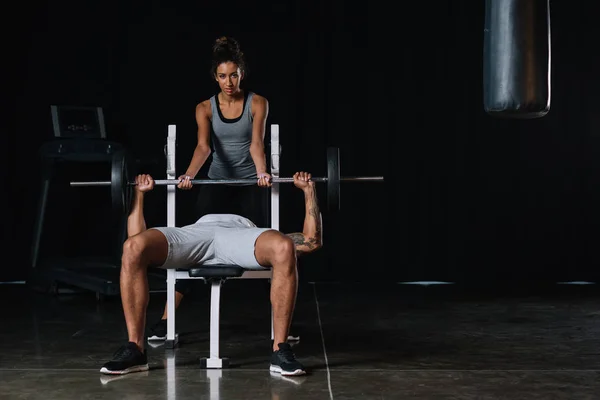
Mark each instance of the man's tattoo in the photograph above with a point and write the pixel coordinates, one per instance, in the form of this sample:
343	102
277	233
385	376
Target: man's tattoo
313	241
316	214
299	239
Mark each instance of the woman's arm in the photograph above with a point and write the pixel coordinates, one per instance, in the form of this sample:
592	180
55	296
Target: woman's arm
260	112
202	150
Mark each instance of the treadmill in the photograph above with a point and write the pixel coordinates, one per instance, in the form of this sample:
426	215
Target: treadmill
79	138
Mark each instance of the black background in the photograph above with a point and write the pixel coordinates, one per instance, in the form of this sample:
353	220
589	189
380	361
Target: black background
467	197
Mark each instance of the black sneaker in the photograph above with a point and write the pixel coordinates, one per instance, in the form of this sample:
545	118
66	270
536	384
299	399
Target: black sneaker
158	331
284	361
127	359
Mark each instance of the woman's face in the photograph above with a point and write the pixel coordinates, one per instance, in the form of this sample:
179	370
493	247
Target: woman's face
229	76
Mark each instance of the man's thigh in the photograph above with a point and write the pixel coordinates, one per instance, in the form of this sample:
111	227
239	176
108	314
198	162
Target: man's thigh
187	246
238	246
265	246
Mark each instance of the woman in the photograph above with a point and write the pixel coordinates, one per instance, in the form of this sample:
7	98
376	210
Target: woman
231	131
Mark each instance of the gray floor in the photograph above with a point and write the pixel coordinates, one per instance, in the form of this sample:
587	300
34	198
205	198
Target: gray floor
358	341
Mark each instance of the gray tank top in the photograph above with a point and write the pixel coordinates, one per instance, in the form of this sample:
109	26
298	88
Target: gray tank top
230	142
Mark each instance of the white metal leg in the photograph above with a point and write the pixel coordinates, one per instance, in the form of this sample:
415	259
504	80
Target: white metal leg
172	337
215	360
215	303
275	153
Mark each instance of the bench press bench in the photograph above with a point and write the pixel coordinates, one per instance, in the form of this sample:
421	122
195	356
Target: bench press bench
216	275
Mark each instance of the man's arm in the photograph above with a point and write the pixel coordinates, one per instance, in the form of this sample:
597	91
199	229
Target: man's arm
311	238
135	220
260	110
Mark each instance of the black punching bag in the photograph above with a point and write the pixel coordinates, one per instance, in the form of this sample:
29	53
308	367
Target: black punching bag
516	58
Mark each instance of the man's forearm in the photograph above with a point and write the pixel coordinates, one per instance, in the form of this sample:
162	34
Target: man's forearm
311	237
312	220
135	221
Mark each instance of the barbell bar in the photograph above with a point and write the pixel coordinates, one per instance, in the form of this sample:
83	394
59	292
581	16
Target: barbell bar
122	184
159	182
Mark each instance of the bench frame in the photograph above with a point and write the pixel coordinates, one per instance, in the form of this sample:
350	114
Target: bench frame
214	360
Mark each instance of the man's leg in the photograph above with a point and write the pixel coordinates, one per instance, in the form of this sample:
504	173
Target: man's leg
158	331
178	297
147	248
276	250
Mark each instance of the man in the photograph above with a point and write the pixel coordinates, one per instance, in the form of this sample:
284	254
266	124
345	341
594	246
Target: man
213	239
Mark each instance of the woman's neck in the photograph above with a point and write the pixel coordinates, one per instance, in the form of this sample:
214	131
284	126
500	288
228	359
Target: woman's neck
226	98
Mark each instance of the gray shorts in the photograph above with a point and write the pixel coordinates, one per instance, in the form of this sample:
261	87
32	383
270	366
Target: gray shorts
210	245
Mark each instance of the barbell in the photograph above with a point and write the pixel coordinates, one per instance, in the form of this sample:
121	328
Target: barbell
121	183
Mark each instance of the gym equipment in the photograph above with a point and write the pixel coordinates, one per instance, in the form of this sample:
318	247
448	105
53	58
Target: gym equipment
122	183
215	276
516	64
79	139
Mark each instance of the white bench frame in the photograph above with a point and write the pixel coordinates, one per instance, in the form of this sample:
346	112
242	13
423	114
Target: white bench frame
215	360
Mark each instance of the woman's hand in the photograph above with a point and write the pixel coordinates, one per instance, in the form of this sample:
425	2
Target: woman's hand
264	179
185	182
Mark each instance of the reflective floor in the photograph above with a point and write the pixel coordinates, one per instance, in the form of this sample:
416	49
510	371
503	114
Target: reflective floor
358	341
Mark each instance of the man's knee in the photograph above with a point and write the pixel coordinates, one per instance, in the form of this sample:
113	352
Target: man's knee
282	249
275	248
133	249
148	248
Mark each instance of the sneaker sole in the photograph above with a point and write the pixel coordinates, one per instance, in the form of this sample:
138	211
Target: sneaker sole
135	368
157	338
275	368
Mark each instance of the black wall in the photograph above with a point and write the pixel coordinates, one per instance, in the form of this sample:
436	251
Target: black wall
467	197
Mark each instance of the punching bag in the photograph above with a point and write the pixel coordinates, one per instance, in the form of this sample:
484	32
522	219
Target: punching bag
516	58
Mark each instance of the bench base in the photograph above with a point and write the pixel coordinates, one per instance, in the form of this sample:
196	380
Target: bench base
172	343
218	363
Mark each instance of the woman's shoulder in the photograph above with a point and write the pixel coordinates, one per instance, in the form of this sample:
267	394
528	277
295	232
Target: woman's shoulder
204	107
258	99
